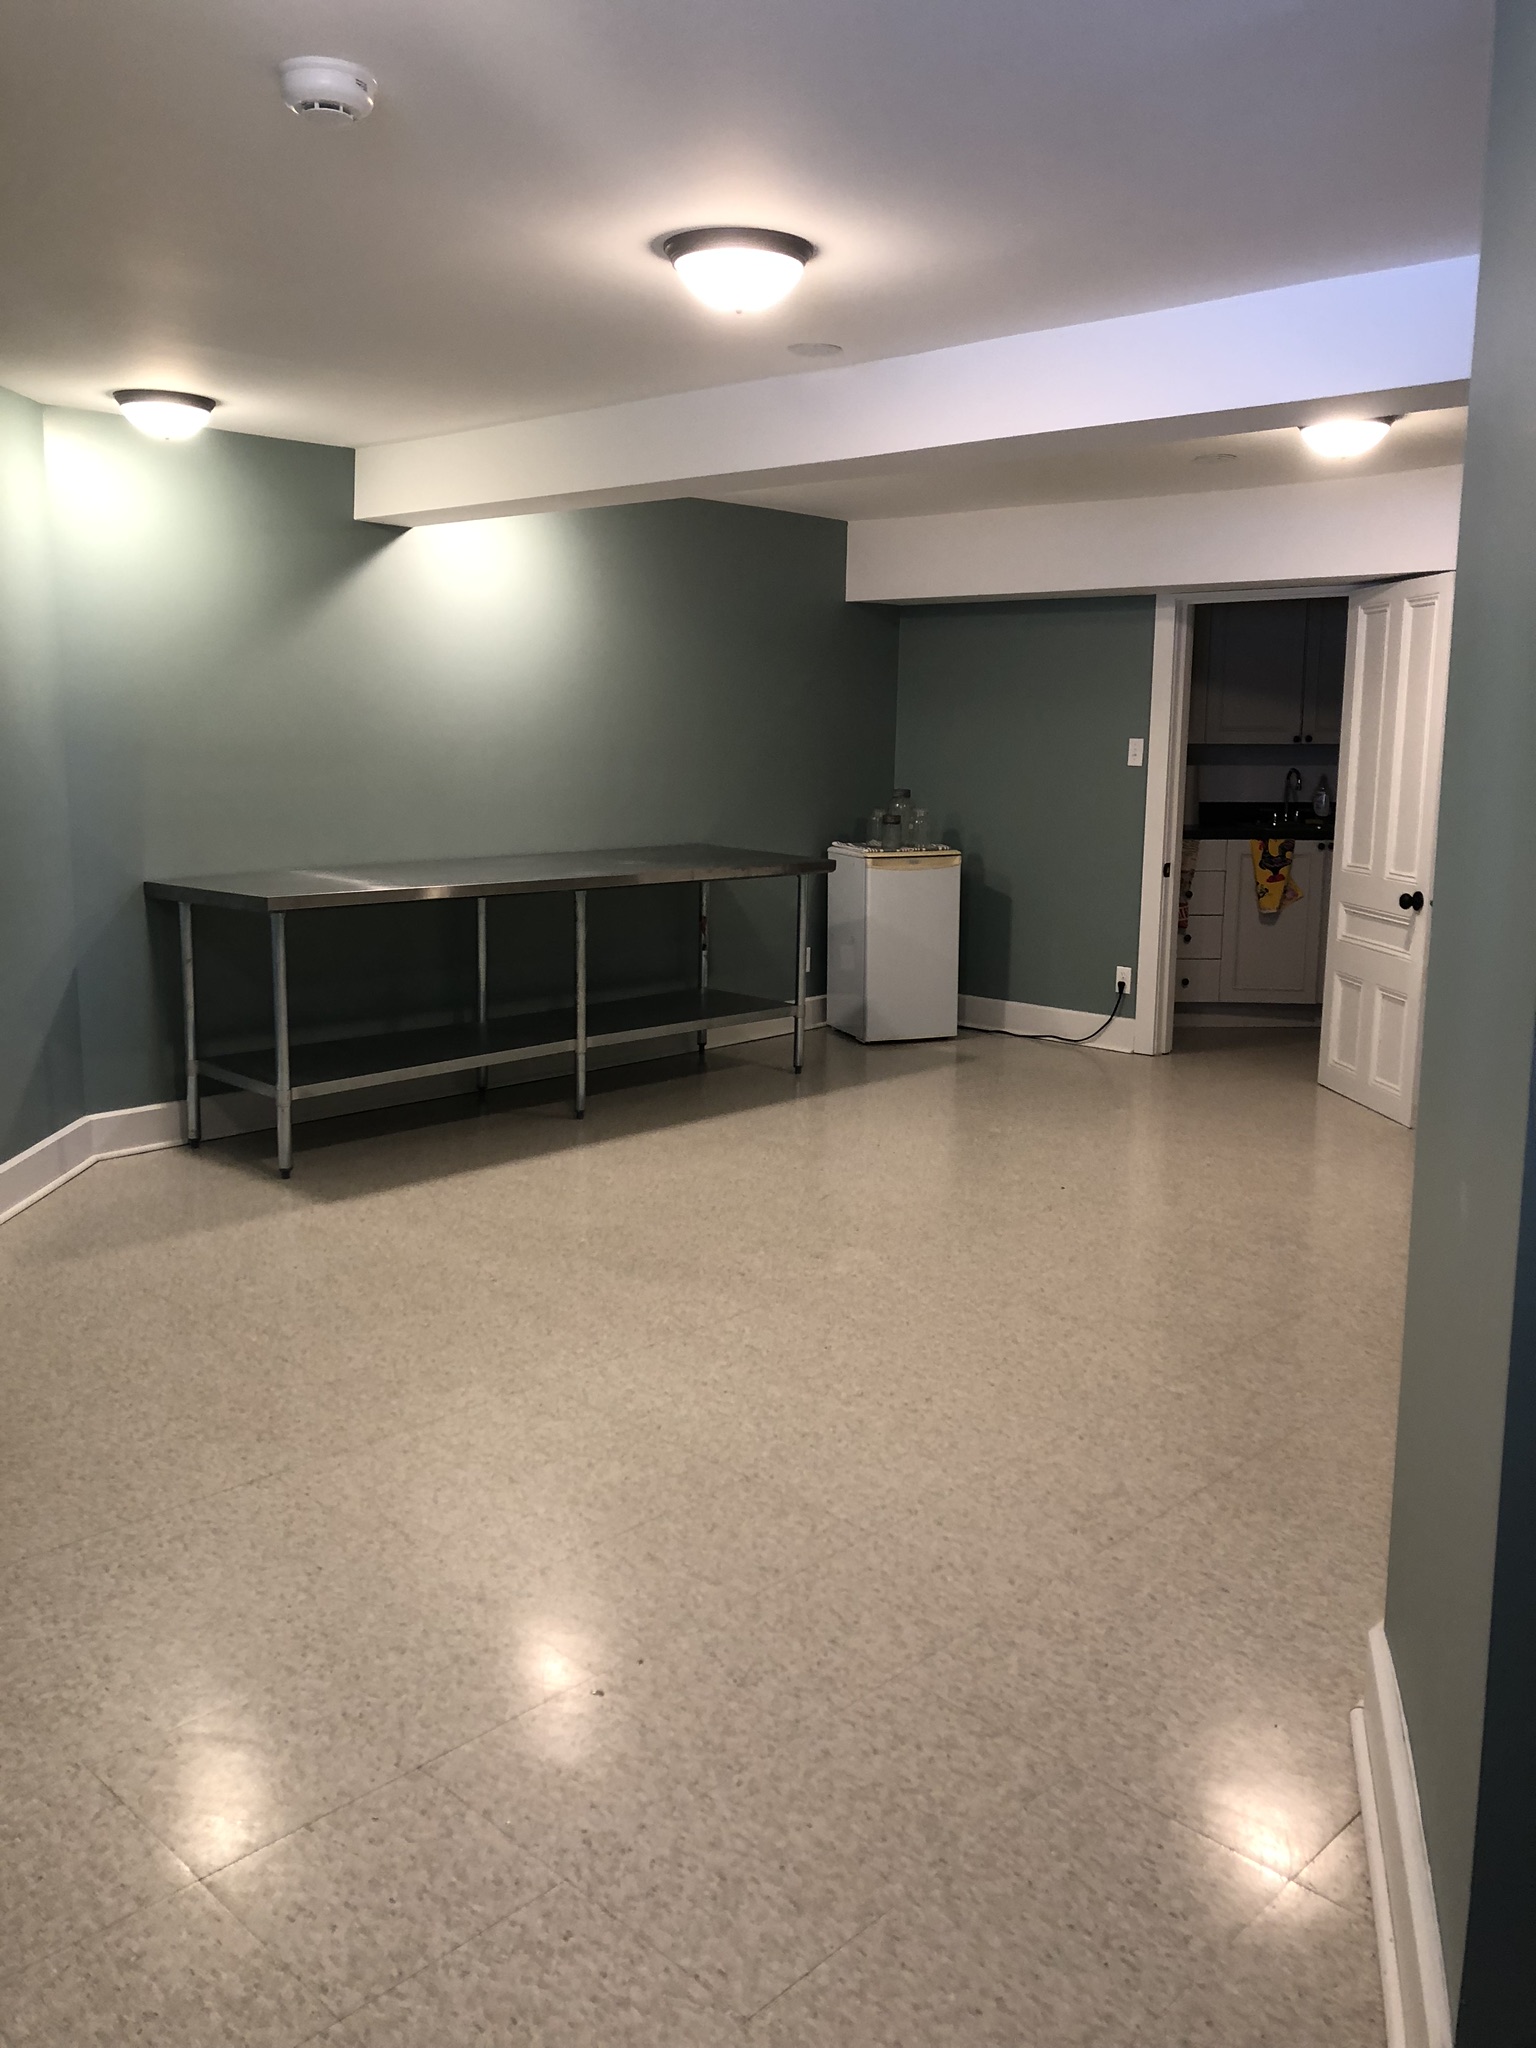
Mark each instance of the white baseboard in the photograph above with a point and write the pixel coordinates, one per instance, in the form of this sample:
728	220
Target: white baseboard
109	1134
1029	1020
1402	1890
155	1126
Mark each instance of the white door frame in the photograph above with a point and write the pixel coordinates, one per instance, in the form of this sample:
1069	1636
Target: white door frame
1163	832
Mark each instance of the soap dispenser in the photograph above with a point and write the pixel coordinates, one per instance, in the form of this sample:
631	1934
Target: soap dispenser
1322	799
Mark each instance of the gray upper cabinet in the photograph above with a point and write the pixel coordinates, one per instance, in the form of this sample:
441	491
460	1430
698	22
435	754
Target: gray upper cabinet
1269	673
1322	689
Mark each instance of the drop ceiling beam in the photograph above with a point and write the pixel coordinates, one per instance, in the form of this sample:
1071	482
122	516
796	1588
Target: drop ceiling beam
1343	529
1388	339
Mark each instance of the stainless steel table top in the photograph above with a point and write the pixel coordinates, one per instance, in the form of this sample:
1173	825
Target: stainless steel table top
501	874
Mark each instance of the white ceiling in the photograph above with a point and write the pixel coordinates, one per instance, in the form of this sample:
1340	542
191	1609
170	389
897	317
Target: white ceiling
1140	462
478	250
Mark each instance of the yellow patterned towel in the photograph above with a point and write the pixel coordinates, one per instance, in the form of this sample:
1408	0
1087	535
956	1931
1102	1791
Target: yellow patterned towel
1272	874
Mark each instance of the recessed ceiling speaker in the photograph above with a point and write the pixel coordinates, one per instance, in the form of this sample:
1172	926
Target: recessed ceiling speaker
328	89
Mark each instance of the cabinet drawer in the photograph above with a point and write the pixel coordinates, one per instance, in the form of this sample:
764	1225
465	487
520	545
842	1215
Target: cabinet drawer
1200	940
1212	854
1197	981
1208	888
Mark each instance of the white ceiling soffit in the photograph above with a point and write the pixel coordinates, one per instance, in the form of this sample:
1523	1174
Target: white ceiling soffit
1099	464
477	250
1387	341
1346	529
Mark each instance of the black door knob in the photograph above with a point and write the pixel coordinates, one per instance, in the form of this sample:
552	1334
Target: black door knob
1413	902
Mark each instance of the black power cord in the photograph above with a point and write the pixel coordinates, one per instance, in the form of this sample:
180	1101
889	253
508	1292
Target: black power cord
1055	1037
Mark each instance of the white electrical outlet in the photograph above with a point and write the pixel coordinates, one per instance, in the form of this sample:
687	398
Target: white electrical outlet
1134	753
1123	979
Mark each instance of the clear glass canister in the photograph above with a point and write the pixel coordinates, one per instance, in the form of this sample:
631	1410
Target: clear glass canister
919	827
890	832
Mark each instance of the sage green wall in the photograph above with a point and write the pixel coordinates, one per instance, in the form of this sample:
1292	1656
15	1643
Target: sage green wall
1012	722
40	1075
245	677
1461	1590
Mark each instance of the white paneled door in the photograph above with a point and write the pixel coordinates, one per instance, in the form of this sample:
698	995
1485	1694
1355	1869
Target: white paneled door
1384	846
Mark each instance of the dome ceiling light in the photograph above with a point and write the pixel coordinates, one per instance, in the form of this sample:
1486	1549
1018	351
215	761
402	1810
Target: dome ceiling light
165	415
1338	438
738	270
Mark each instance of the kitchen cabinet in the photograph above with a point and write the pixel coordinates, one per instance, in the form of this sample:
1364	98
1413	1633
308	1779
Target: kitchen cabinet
1231	954
1269	673
1275	959
1322	683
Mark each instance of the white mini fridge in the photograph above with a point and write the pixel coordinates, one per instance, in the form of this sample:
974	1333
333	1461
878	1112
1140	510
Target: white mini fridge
893	943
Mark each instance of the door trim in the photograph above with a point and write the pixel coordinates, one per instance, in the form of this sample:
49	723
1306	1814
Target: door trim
1163	829
1167	723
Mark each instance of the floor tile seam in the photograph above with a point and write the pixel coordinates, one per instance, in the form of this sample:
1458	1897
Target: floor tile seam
751	2019
1196	1945
1181	1819
12	1977
294	1467
557	1877
1188	1827
756	1582
562	1552
1129	1532
862	1694
139	1821
204	1877
94	1936
646	1940
105	1530
819	1566
286	1969
337	2016
1364	1911
1339	1834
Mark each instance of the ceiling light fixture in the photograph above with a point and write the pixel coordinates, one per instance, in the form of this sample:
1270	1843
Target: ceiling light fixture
815	348
327	89
165	415
1337	438
738	270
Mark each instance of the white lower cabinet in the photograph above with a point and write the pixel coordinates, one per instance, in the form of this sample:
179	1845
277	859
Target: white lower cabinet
1236	955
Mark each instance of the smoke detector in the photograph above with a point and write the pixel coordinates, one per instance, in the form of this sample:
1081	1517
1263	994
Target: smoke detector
328	88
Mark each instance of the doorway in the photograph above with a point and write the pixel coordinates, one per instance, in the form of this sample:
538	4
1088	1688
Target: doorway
1295	762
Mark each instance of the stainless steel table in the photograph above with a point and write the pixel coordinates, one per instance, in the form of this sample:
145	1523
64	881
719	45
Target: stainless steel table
288	1072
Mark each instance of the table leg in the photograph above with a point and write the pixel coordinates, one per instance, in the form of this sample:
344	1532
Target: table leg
189	1022
483	1074
280	1026
581	1002
800	945
703	961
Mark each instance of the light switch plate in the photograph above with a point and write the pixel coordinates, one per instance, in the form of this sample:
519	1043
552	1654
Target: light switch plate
1134	753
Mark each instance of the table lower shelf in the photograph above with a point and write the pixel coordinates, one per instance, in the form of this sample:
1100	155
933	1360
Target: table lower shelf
333	1065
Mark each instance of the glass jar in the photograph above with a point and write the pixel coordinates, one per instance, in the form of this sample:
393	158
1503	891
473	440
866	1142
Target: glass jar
919	836
875	830
890	832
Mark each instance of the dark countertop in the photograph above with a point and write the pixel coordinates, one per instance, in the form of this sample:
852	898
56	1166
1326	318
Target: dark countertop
504	874
1260	821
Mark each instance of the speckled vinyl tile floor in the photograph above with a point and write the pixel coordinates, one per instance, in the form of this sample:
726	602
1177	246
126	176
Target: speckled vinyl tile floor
881	1560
